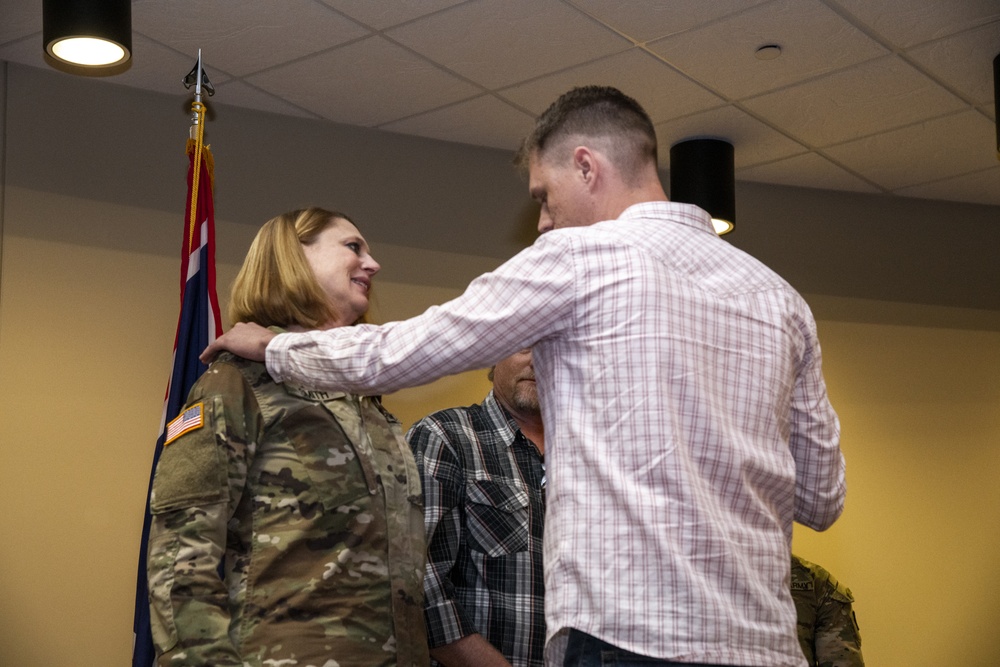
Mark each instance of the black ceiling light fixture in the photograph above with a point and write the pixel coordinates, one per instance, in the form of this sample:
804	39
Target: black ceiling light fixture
88	33
702	172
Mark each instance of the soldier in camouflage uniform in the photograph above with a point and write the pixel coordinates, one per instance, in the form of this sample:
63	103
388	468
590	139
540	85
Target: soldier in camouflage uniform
828	630
310	501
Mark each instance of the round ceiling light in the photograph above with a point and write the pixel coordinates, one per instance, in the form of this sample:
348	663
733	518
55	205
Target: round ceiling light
88	33
87	51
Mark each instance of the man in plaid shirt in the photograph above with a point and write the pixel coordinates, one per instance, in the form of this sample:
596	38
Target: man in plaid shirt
483	478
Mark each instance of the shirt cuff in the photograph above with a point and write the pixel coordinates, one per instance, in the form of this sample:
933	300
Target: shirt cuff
447	623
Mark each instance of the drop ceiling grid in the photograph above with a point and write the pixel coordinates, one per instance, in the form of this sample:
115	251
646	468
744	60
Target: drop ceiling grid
855	75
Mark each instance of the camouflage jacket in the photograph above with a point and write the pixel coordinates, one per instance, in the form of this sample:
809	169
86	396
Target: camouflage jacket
828	630
313	499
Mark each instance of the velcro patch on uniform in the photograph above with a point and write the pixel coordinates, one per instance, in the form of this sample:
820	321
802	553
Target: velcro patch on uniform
190	420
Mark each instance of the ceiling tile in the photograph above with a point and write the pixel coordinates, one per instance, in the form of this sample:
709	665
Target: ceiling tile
642	20
905	23
963	62
25	51
982	187
808	170
753	141
813	39
872	97
958	144
240	94
631	72
485	121
257	40
367	83
19	20
381	15
317	58
498	44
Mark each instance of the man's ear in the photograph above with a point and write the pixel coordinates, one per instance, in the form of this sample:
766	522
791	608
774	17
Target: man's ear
586	164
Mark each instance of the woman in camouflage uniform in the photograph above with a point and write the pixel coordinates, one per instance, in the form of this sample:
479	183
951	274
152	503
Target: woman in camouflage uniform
287	525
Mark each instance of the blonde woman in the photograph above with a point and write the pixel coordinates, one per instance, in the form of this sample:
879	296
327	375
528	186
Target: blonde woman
287	526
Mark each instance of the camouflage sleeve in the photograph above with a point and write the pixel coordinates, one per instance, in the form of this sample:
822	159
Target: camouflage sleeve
442	477
199	480
838	639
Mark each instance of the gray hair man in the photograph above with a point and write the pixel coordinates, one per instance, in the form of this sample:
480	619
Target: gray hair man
483	476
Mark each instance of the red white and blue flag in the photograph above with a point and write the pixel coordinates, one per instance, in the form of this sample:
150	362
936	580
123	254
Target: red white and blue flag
198	325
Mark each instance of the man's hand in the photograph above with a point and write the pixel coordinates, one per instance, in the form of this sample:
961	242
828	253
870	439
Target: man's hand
245	340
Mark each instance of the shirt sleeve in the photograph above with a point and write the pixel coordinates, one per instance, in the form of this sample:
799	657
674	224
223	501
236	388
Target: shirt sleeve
820	484
443	477
199	481
526	299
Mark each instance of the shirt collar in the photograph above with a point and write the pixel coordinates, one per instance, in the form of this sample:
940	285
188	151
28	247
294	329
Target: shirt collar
685	214
502	420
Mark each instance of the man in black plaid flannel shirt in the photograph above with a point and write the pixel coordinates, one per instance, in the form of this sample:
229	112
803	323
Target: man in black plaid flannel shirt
483	476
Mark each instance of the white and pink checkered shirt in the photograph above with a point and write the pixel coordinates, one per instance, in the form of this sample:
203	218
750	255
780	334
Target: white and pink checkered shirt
686	424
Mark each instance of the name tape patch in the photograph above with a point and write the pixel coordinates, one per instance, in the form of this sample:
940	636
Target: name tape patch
190	420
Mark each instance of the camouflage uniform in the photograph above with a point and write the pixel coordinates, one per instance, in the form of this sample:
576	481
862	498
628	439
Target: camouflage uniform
828	630
314	500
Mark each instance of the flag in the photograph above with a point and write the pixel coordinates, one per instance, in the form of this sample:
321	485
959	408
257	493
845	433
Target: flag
198	325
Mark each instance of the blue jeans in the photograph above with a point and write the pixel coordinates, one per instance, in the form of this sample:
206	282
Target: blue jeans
583	650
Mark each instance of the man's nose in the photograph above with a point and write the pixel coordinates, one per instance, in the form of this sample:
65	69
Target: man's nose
544	222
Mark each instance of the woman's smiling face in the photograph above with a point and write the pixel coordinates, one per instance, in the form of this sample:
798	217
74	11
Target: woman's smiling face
344	268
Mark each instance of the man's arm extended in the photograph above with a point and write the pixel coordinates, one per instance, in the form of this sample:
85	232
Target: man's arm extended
529	297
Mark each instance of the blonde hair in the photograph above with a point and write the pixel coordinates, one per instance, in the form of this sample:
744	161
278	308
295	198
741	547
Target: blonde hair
276	286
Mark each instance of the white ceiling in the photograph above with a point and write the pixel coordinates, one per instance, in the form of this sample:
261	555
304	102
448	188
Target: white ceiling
876	96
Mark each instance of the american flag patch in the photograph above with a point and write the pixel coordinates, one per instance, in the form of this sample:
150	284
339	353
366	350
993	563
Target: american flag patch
189	420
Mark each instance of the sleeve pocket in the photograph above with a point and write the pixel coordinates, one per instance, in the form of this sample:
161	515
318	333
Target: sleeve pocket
193	469
497	517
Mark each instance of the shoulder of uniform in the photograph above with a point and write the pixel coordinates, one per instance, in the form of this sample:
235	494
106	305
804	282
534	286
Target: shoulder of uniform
233	360
817	572
801	575
823	578
254	372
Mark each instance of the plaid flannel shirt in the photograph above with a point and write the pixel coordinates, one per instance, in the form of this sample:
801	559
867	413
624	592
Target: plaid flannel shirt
483	509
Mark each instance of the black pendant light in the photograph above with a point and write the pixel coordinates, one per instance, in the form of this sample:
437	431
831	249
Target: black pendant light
88	33
702	172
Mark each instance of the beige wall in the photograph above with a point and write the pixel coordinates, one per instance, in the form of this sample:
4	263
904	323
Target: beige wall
88	306
920	413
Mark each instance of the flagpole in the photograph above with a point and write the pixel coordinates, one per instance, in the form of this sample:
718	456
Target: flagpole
197	133
198	324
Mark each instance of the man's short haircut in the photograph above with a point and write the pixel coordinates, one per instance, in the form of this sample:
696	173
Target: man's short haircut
595	112
276	285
